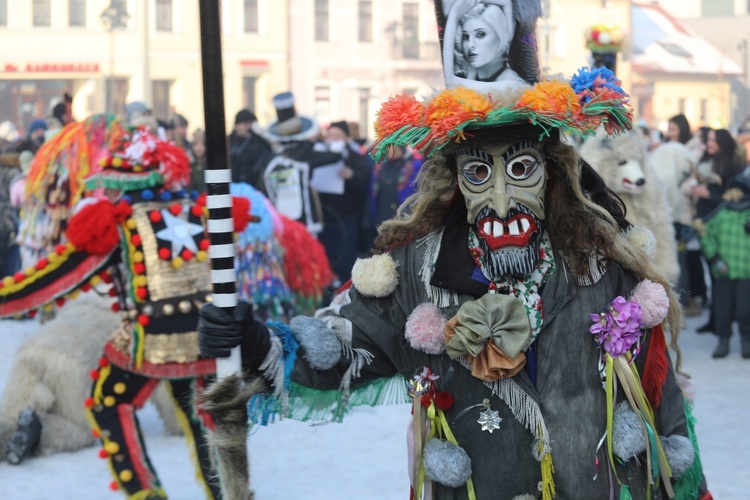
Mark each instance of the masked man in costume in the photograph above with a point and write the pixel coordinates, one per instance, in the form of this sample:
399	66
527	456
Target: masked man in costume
512	303
149	241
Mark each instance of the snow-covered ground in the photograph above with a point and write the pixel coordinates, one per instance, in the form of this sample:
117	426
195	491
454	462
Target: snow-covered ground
365	458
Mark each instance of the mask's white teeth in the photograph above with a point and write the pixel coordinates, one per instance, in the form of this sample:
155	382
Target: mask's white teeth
525	225
513	227
487	227
497	229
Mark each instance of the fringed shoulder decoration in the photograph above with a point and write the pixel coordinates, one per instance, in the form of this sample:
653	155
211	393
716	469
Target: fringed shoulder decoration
439	296
375	276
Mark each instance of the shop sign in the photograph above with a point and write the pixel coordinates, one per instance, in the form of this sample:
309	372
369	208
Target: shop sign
51	68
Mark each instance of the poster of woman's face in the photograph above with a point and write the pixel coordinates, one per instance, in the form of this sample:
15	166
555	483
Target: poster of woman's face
481	32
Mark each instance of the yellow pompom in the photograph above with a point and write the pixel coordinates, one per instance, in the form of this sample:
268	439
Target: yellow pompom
112	447
120	387
137	168
8	281
137	256
74	294
130	224
95	280
29	271
126	475
201	256
117	161
48	307
52	257
103	162
140	281
109	401
177	262
205	212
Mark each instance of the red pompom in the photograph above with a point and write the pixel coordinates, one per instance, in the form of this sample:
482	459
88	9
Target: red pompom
112	292
32	314
60	301
86	287
155	216
186	254
60	249
196	210
240	213
123	210
141	293
95	432
88	404
42	263
103	362
201	201
204	244
94	374
443	400
115	307
175	208
165	253
136	240
94	228
103	453
139	268
306	265
106	277
19	277
143	320
114	486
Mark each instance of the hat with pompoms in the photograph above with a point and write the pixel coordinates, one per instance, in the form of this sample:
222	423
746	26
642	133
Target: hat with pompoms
492	78
139	160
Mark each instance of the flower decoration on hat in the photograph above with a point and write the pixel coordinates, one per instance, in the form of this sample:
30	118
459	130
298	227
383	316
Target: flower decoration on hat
604	38
140	160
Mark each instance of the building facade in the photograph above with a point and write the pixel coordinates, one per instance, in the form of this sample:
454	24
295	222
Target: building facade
106	53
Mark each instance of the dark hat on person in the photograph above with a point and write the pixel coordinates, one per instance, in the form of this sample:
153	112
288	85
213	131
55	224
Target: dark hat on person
342	125
290	126
178	121
244	116
38	124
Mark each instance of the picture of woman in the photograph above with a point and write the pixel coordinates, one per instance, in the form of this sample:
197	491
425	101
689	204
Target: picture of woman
482	32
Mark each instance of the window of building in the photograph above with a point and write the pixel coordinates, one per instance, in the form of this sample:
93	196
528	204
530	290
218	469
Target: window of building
76	12
3	12
41	12
365	21
160	92
164	15
251	16
321	20
411	30
248	92
323	104
717	7
364	111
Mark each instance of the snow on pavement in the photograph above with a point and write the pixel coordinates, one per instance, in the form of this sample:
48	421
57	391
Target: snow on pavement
365	457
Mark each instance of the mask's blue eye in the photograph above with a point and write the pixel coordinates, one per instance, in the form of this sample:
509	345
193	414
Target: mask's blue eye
521	167
476	172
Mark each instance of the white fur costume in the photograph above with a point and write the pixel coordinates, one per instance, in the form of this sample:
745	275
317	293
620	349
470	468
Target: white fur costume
51	375
621	161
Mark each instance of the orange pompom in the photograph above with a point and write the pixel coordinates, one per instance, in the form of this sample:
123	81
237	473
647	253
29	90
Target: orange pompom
396	112
453	107
551	97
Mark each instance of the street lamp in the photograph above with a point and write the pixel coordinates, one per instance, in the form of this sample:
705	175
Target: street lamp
113	17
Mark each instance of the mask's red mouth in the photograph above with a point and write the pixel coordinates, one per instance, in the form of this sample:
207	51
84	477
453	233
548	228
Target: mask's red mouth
513	232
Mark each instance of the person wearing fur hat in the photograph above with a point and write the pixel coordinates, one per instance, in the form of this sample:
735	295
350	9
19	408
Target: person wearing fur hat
148	240
511	302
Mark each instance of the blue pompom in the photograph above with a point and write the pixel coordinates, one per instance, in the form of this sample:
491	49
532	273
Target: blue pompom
180	193
147	195
165	196
194	195
127	199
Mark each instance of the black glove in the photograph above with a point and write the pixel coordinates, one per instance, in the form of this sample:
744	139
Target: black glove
219	331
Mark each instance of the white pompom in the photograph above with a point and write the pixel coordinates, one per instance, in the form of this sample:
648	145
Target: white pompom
643	238
375	276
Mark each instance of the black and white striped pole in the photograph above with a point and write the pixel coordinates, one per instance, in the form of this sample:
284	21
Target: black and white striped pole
218	176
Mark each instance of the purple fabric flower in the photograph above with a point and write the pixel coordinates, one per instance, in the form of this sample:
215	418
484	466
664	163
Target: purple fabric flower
618	328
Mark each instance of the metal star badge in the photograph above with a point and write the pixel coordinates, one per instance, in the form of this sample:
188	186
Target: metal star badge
489	420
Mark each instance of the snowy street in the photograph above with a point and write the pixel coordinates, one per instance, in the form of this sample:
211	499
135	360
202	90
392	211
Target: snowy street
365	458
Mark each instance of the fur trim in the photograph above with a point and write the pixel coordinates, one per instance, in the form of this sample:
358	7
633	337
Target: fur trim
654	302
627	433
322	348
446	463
424	329
375	276
680	453
643	238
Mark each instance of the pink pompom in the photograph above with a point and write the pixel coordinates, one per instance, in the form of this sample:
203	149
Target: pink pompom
424	329
654	302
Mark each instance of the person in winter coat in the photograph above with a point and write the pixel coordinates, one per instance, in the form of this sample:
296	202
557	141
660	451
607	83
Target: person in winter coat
34	137
248	151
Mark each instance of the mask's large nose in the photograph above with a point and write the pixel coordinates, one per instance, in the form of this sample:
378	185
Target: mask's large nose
501	200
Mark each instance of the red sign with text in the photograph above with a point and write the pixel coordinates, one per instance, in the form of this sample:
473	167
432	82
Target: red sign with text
51	68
